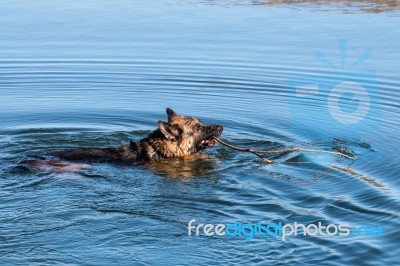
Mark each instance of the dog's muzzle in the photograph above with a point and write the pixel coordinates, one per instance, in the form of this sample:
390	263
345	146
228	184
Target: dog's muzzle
213	131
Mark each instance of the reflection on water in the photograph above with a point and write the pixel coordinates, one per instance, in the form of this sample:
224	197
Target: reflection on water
369	180
373	6
199	165
343	6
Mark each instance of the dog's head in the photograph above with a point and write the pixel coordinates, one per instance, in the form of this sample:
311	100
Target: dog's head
189	133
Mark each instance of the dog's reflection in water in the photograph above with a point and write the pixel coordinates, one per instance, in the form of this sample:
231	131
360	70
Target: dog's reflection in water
198	165
185	169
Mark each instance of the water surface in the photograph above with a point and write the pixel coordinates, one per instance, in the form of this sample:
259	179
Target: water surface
99	74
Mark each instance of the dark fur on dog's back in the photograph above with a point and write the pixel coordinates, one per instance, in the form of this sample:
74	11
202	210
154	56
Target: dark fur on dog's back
179	137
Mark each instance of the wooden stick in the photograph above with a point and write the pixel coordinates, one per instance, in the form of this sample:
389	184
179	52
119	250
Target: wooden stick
243	149
257	152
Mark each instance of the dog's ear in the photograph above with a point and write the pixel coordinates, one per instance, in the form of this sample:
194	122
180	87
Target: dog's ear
170	114
168	130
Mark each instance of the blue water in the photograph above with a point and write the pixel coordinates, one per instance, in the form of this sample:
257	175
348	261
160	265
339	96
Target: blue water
101	73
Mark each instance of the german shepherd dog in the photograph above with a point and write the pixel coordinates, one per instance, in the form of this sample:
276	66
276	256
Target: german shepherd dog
180	137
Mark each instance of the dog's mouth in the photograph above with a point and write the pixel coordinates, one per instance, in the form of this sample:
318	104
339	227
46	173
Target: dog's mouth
209	142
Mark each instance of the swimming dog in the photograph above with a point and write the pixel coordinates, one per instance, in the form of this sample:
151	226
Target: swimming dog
180	137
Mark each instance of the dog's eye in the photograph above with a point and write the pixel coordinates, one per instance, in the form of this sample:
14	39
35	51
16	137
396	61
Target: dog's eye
198	128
